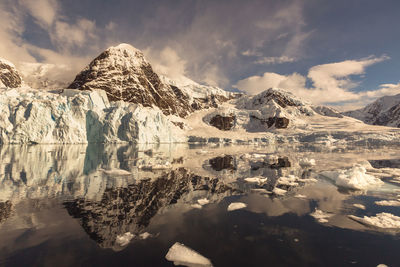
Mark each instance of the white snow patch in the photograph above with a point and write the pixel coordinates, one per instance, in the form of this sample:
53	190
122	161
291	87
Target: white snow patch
124	239
381	220
182	255
236	206
116	172
321	216
354	178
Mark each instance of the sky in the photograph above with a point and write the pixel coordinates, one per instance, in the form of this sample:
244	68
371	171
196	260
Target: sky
342	53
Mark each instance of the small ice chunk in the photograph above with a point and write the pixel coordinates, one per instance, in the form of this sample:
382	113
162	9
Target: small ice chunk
300	196
144	235
203	201
124	239
182	255
354	178
321	216
305	162
360	206
290	180
256	180
279	191
236	206
197	206
381	220
393	203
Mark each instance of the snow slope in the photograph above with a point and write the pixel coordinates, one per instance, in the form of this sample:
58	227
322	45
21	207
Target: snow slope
384	111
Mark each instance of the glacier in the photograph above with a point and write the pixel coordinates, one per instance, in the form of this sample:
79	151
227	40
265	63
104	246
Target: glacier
29	116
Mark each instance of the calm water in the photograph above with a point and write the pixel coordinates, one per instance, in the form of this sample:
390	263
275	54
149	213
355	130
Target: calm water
67	206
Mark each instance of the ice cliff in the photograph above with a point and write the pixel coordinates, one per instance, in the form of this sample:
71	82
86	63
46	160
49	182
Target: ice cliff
72	116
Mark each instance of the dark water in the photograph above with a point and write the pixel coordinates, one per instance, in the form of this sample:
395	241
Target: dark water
66	206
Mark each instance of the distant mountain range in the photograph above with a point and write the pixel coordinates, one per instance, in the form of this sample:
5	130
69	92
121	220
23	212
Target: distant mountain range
384	111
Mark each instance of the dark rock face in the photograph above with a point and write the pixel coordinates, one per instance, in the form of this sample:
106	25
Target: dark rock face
124	74
222	163
275	95
131	209
223	123
9	76
5	210
279	122
283	162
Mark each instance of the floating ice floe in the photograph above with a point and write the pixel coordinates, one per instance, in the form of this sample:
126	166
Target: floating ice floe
381	220
353	178
321	216
292	180
236	206
305	162
197	206
203	201
145	235
393	203
300	196
182	255
279	191
360	206
124	239
256	180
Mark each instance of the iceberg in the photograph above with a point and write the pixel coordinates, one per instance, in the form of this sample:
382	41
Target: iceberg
182	255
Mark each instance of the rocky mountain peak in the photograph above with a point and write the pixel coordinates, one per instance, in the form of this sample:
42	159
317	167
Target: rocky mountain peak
124	73
9	76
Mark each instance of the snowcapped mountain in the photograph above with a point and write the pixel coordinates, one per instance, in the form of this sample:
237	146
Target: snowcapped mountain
44	76
384	111
124	73
9	76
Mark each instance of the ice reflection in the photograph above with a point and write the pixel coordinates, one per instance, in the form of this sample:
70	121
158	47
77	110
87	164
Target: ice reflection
114	190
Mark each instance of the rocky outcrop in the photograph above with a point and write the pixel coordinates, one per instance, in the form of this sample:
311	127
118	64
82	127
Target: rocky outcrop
278	122
124	74
9	76
5	210
222	163
224	123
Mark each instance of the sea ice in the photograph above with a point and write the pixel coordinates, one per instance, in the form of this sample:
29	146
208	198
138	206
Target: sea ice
360	206
182	255
124	239
256	180
144	235
305	162
354	178
321	216
279	191
381	220
203	201
236	206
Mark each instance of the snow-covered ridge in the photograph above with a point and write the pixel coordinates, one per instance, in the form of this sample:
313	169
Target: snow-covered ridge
31	116
384	111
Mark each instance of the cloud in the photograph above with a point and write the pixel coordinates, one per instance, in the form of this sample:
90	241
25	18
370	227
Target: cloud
44	11
275	60
331	83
